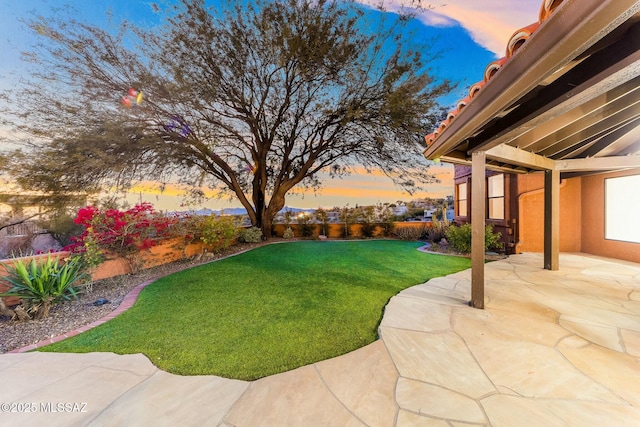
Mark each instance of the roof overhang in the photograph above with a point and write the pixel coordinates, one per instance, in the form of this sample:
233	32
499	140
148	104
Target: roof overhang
568	99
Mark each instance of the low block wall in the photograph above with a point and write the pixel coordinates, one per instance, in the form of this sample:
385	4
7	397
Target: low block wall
177	249
4	287
336	230
163	253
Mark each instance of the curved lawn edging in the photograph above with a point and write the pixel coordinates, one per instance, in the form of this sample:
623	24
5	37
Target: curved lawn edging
267	312
127	302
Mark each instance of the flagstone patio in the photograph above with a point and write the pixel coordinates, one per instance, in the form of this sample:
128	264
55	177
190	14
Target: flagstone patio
552	348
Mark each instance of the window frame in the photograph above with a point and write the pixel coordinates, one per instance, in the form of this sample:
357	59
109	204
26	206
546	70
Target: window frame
491	197
623	205
459	212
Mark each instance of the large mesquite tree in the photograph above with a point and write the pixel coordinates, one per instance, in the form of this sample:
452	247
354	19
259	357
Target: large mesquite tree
254	100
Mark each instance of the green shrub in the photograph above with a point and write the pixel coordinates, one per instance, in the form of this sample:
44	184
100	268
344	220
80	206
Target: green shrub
368	229
323	217
304	225
492	240
218	232
307	230
250	235
41	283
288	233
459	237
190	226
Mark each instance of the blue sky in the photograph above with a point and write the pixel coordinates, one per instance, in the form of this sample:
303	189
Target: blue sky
469	34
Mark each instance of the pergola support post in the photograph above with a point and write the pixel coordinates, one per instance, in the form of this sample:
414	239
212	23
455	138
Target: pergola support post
478	219
552	219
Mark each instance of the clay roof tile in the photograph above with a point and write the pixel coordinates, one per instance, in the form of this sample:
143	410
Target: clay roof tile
475	88
462	103
547	8
515	42
493	68
519	37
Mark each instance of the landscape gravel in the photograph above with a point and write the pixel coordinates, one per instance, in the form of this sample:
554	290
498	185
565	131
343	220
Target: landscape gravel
74	314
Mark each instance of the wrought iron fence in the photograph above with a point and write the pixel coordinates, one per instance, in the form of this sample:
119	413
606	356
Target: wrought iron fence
24	229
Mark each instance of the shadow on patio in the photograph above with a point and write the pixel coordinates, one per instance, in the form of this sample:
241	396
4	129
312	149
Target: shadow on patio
552	347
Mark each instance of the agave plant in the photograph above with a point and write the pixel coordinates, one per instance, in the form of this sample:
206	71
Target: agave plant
41	283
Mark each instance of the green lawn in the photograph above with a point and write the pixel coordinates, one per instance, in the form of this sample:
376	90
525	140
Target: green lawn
266	311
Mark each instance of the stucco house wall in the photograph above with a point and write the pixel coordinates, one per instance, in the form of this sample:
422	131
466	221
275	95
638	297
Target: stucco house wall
593	241
531	214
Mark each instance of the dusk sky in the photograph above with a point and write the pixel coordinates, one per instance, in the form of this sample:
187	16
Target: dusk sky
469	34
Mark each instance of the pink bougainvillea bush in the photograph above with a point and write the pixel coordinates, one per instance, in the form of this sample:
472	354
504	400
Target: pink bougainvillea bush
123	233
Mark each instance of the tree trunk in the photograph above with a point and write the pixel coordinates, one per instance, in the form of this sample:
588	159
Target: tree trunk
275	205
266	222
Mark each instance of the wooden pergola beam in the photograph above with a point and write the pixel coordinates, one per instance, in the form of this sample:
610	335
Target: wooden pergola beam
598	164
598	96
504	168
612	116
536	61
515	156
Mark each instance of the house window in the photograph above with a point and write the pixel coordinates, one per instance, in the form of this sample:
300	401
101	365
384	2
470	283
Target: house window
622	208
461	199
495	193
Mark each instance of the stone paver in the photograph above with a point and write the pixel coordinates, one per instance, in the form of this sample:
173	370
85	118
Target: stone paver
364	381
439	402
552	348
441	358
164	398
410	419
84	384
294	398
417	314
514	411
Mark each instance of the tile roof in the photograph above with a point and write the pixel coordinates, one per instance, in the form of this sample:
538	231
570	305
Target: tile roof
517	39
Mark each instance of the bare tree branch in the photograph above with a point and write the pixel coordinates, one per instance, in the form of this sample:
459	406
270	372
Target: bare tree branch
259	98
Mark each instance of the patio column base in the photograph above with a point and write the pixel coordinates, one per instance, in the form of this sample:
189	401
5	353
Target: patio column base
476	304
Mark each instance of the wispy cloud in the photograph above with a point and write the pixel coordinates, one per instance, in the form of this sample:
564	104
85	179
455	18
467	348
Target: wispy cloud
489	22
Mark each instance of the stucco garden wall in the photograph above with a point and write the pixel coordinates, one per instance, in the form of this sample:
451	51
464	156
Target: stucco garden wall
531	209
336	230
593	211
163	253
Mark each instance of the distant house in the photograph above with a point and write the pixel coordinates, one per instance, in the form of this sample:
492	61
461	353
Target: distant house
400	210
333	216
547	145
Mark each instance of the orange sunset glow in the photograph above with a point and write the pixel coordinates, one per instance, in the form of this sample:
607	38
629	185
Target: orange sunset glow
359	188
